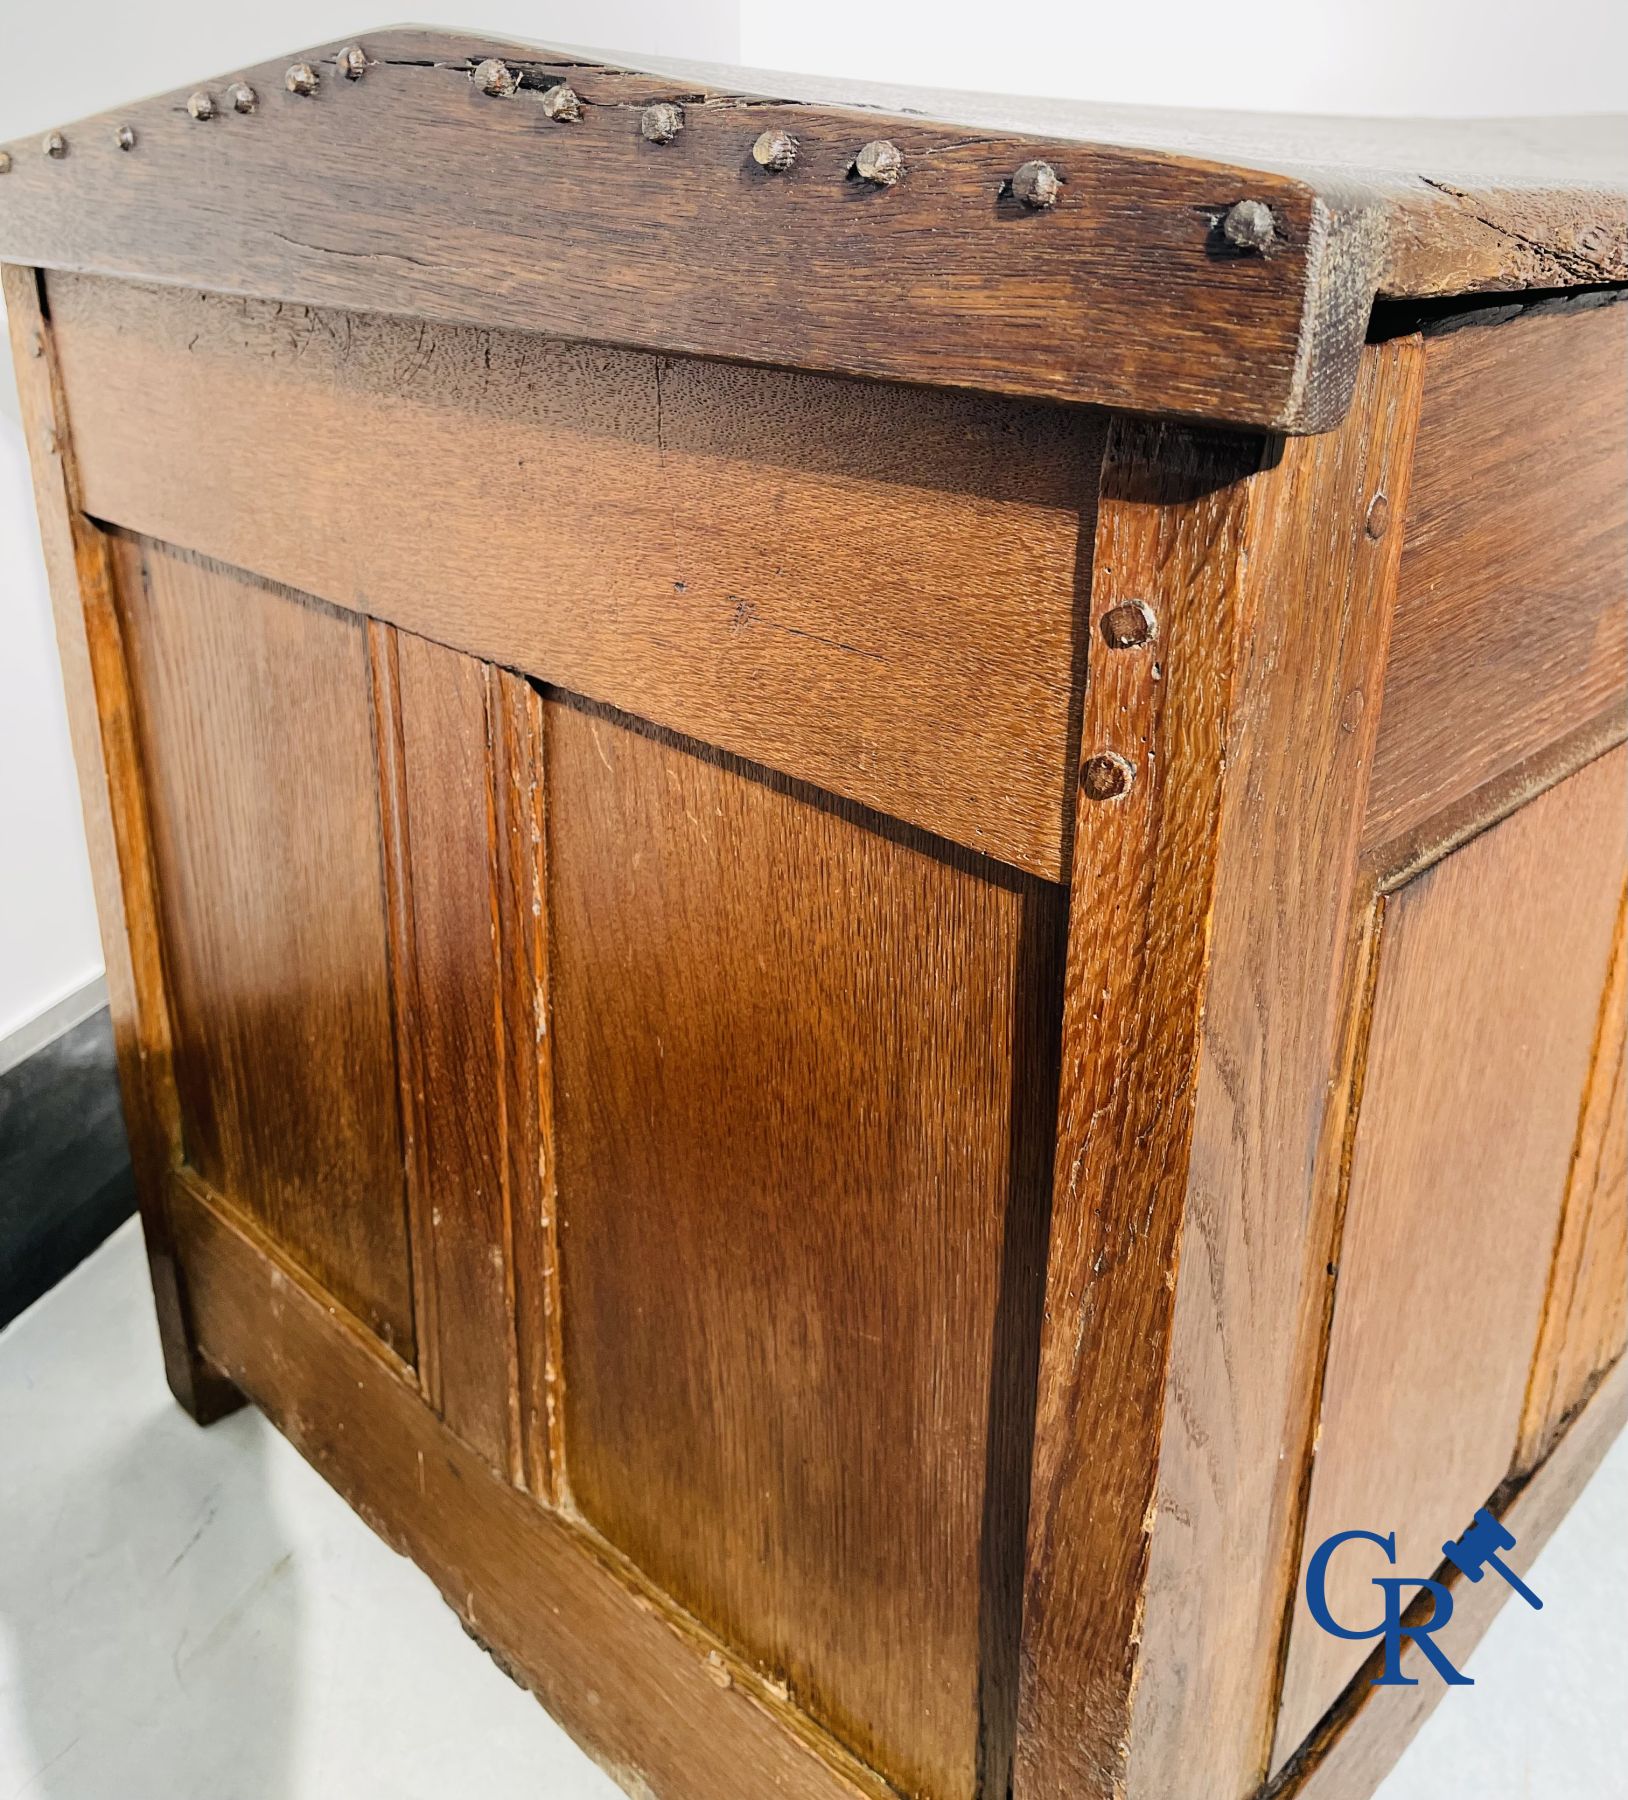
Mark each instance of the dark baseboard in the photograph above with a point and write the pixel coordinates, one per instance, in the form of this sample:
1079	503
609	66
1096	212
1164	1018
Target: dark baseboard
65	1179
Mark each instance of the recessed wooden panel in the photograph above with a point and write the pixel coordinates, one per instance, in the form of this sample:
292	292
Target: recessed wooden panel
801	1071
257	746
867	587
1510	626
455	947
1484	1022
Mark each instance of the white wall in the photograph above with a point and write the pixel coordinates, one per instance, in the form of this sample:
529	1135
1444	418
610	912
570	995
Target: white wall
72	57
1446	57
48	943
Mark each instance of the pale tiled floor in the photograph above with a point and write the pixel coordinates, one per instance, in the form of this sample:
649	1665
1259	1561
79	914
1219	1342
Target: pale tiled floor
193	1615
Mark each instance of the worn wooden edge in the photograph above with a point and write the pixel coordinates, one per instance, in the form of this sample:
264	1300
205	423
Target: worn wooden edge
1171	522
1186	1278
519	749
102	727
618	250
645	1690
1281	1009
1368	1728
1337	1153
1127	292
1549	1393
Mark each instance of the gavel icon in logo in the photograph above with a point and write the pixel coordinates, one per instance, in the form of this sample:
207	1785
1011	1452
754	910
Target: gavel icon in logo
1478	1550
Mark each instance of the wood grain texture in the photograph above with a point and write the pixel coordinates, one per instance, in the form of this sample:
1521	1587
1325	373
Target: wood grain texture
1585	1318
478	211
253	713
666	1709
101	722
456	1002
870	588
1485	1018
1214	957
1284	991
1357	1746
1171	525
803	1063
1125	293
1510	626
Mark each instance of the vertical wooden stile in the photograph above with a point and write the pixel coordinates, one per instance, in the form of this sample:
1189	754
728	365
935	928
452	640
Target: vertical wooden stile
1216	913
102	724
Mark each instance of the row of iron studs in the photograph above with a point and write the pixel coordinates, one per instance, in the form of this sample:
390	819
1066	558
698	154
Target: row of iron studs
880	162
1248	225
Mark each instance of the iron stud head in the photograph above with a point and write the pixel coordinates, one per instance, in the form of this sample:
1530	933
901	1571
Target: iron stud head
1250	226
1036	184
661	123
881	163
775	151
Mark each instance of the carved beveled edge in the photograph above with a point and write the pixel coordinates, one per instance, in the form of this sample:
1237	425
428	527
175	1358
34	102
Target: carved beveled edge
1153	282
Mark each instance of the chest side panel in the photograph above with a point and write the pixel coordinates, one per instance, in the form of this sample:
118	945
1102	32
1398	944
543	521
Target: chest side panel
1511	635
802	1067
254	714
1485	1020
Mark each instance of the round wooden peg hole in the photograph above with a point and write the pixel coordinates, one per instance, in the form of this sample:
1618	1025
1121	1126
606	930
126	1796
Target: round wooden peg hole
1106	776
1129	625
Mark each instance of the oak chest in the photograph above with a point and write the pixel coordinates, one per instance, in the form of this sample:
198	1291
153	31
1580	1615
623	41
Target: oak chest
863	878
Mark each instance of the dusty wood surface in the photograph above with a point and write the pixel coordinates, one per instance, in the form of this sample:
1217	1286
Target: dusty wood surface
872	588
1485	1019
101	721
1584	1322
802	1076
1358	1744
1511	630
621	1669
413	191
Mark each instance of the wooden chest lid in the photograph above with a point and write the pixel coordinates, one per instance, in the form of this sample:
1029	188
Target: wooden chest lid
1214	266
